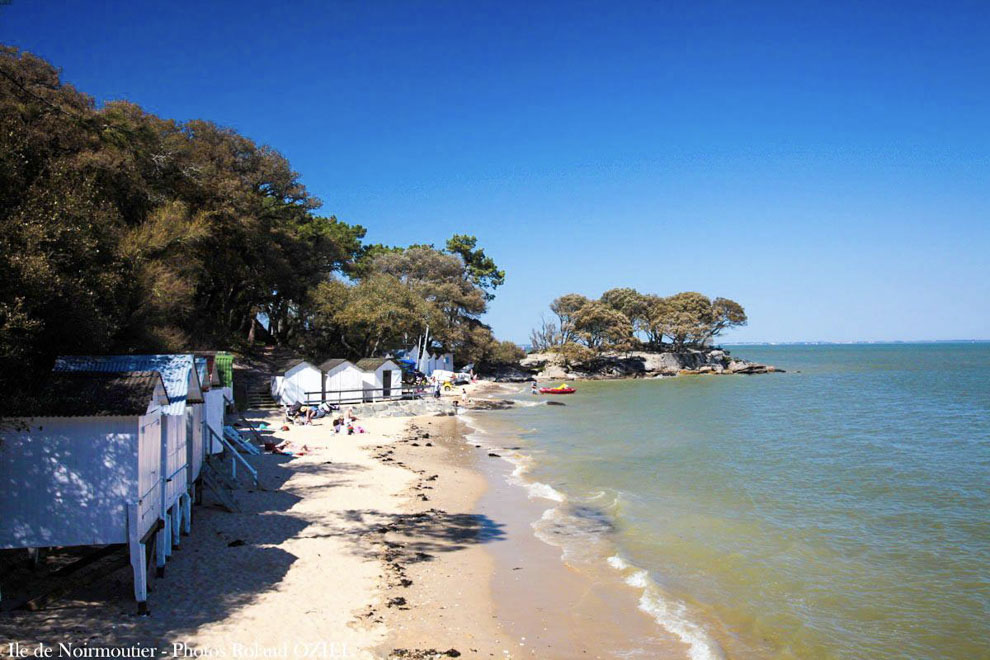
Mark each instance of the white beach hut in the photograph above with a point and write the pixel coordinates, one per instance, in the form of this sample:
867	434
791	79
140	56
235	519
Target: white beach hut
382	378
183	389
343	381
82	466
214	401
302	382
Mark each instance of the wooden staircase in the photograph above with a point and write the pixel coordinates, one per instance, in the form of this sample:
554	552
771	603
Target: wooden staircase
215	478
259	397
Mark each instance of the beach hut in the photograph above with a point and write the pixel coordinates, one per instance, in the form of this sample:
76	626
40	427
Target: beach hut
181	381
343	381
382	378
214	402
225	370
301	382
81	465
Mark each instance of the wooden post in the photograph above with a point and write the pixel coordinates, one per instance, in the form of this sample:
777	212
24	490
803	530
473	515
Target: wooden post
139	564
161	545
187	514
176	522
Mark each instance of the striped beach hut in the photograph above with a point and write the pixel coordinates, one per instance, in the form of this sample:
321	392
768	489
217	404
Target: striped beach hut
181	381
81	465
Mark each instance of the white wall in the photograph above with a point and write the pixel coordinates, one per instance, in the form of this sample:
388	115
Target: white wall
373	381
67	481
299	380
213	415
194	439
175	453
345	376
149	471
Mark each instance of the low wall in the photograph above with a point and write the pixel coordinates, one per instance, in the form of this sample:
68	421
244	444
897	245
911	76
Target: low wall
403	408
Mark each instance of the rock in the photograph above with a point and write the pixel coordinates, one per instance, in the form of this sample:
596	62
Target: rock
556	403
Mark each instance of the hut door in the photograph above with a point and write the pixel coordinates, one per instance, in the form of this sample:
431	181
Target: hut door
387	383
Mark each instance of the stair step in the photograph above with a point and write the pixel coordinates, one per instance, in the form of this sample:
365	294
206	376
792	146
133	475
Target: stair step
218	483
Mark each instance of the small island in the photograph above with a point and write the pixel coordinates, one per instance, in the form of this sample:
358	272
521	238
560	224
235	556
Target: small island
622	335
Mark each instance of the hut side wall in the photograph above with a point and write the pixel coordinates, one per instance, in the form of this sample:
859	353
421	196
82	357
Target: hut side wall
175	454
194	439
213	416
67	481
149	471
345	377
299	380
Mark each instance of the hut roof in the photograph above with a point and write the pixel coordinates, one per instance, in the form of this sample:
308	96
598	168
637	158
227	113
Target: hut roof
291	363
332	363
177	372
87	394
371	364
203	371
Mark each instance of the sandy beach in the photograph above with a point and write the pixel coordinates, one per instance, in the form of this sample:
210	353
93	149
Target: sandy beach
358	546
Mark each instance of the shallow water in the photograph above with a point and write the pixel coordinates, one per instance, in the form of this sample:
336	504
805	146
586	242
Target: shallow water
839	510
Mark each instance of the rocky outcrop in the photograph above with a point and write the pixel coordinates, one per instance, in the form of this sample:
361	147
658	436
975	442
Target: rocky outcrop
639	364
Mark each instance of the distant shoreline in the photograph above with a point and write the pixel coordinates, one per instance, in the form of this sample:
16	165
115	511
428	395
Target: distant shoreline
886	342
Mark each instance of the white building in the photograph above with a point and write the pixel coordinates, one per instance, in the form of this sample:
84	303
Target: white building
343	381
301	382
179	375
430	363
214	401
83	466
382	378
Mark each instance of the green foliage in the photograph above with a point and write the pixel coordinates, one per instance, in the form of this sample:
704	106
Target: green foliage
123	231
601	327
481	269
622	316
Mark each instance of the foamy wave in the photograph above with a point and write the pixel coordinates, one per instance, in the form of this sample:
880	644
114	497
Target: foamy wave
669	614
547	492
700	645
523	403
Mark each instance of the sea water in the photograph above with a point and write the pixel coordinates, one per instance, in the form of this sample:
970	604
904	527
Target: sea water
841	509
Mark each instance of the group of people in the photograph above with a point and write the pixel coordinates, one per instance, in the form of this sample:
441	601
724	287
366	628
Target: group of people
302	413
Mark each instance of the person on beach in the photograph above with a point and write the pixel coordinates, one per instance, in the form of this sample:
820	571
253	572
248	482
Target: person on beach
436	390
338	424
309	412
534	389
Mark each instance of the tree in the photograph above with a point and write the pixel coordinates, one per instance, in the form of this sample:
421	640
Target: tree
632	304
480	269
377	313
688	316
725	314
439	279
566	308
601	327
546	336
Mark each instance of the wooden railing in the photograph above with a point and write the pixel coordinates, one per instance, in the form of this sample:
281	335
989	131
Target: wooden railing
363	395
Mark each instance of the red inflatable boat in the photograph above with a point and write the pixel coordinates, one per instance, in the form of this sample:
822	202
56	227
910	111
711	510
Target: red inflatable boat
560	389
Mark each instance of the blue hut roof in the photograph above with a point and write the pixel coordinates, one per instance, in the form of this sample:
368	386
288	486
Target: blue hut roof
203	372
177	371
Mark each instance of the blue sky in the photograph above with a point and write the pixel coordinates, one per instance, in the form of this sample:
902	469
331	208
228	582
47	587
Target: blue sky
826	164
